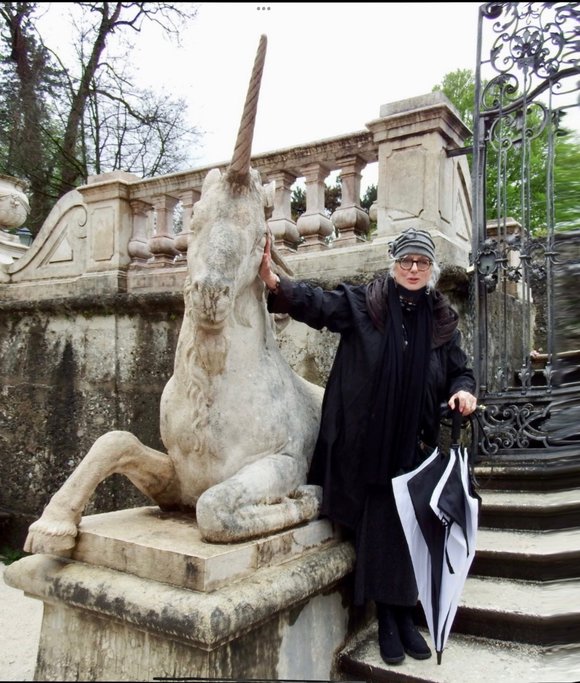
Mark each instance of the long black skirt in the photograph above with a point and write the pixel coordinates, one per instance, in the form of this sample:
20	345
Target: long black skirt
383	568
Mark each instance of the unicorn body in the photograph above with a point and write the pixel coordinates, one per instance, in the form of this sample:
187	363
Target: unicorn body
238	423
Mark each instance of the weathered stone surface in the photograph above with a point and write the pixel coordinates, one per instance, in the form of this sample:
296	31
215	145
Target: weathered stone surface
68	377
284	619
168	547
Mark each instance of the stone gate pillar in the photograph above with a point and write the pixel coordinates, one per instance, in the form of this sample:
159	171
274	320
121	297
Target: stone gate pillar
420	183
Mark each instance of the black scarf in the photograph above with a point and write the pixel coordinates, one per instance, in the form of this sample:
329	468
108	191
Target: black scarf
445	318
397	394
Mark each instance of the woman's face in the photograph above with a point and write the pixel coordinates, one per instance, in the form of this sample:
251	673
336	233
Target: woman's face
412	278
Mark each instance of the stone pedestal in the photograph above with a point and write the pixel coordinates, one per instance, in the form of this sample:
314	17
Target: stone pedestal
144	597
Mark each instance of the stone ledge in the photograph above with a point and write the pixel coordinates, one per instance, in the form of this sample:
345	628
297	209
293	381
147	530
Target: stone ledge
202	620
534	613
546	511
167	547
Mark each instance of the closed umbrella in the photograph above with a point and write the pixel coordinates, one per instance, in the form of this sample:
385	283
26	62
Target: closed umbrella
439	513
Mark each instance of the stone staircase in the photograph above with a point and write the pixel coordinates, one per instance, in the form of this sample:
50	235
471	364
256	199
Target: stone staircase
519	615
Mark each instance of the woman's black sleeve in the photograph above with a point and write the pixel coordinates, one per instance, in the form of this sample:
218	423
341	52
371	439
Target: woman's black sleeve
314	306
459	375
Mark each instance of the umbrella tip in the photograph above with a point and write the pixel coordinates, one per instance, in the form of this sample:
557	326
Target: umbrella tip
439	655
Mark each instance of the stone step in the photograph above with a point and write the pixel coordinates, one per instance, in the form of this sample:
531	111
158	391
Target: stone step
535	613
530	510
466	659
527	555
530	470
503	630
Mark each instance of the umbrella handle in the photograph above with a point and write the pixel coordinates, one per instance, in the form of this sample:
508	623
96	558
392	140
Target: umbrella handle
456	420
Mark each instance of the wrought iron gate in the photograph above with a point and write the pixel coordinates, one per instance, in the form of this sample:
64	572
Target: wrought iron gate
526	228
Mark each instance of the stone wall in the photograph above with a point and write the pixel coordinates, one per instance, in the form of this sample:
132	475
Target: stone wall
566	291
71	371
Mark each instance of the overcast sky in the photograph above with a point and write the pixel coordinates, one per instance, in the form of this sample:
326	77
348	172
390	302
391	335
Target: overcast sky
328	68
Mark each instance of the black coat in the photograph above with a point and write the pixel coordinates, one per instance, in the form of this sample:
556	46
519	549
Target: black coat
339	454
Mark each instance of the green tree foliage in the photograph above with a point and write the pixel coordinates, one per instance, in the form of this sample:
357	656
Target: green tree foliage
30	81
567	182
369	197
517	195
61	122
333	197
459	87
298	202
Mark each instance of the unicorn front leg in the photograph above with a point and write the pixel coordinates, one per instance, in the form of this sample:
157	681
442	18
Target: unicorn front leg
260	499
116	452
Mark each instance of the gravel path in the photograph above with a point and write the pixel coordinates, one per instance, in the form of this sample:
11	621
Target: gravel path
20	619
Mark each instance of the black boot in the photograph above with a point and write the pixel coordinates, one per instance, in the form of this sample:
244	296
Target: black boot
413	642
390	645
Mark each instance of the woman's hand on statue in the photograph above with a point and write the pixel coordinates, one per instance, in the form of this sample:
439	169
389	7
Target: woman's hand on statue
268	277
466	402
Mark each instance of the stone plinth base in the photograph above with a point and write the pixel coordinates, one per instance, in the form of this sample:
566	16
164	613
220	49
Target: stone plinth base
143	597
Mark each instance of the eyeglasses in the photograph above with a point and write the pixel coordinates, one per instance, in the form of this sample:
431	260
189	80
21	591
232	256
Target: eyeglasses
407	262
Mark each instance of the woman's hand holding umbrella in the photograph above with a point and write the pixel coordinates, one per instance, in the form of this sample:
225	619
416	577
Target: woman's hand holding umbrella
466	402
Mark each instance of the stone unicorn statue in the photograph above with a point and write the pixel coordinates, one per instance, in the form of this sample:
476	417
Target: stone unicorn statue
238	423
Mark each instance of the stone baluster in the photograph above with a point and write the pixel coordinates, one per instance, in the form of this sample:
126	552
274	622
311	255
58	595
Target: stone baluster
283	227
188	199
313	225
138	246
162	243
374	211
14	206
350	219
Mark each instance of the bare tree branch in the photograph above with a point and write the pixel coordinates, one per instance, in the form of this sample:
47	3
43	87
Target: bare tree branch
60	124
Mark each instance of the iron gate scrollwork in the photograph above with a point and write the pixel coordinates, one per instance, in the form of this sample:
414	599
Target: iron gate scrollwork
526	227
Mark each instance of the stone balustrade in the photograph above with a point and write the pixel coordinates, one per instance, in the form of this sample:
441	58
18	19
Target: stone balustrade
120	233
347	155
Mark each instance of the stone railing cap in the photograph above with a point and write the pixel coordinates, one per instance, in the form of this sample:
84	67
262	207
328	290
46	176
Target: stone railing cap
414	103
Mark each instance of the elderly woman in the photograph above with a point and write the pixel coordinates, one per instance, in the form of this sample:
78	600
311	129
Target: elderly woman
398	360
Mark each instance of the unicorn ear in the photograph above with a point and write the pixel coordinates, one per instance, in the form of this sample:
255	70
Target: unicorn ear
211	179
268	193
